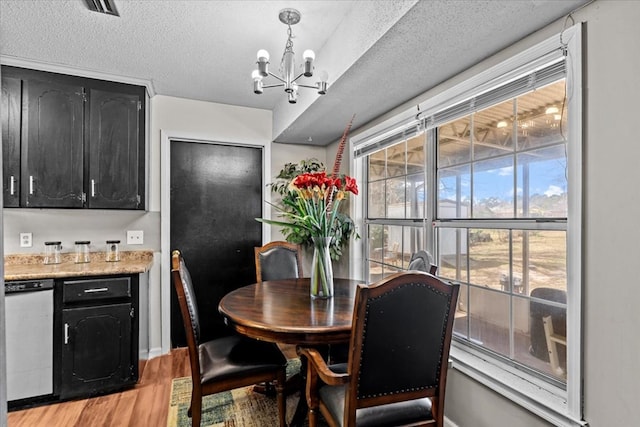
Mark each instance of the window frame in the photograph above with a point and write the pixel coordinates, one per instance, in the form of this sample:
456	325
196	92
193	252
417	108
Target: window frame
556	404
406	222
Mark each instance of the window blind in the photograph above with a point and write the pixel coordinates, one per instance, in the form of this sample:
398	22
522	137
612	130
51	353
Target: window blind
526	83
400	133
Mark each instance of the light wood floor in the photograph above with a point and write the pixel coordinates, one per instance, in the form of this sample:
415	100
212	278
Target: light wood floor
144	405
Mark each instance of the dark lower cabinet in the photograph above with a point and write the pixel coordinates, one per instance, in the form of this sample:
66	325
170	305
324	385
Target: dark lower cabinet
97	336
96	355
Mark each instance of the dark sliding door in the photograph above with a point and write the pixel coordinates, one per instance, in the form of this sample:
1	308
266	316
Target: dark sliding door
216	194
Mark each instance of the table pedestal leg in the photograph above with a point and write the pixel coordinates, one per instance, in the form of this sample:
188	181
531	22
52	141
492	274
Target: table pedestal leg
301	410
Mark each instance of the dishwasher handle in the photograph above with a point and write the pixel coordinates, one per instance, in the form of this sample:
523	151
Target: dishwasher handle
66	333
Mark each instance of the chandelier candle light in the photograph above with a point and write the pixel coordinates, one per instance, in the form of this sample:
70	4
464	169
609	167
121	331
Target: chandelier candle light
287	64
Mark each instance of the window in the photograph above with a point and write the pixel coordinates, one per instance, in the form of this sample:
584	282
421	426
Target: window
500	170
486	177
396	198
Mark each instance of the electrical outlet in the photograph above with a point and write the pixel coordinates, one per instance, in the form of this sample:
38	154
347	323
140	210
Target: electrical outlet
135	237
26	240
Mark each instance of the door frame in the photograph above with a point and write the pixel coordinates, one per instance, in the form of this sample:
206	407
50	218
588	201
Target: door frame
166	138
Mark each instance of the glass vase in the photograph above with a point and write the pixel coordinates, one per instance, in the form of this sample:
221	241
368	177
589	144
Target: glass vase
321	269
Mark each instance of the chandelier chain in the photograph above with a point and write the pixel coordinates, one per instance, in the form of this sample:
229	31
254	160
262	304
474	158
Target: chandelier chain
288	47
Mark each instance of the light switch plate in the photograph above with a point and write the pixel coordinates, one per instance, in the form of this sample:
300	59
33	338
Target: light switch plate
26	240
135	237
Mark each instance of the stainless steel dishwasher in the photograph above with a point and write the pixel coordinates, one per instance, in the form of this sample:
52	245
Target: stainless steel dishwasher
29	338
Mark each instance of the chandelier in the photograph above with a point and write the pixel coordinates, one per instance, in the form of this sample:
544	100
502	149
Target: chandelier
288	78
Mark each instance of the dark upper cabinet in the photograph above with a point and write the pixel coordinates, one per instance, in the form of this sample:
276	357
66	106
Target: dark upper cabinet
115	150
11	107
52	144
72	142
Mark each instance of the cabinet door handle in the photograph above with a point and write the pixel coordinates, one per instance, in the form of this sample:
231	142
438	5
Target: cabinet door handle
93	188
66	333
12	185
31	184
93	290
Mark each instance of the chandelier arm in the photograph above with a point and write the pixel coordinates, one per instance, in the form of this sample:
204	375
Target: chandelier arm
299	75
277	77
268	86
307	86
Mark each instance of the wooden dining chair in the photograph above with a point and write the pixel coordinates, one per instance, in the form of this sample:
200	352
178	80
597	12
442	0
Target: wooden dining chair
423	261
548	327
398	357
224	363
278	260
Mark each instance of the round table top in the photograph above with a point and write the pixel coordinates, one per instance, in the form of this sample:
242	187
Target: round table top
283	311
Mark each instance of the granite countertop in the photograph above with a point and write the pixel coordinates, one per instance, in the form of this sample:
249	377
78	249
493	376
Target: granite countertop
31	266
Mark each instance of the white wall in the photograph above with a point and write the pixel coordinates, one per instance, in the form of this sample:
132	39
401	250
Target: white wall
289	153
612	152
610	254
69	225
342	268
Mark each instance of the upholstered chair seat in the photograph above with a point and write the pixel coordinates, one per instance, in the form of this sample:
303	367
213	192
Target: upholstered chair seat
392	414
229	357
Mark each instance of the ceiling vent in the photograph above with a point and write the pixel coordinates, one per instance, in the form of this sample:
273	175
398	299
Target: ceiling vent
103	6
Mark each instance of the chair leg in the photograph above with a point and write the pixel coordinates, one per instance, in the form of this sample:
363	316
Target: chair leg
281	398
311	389
313	418
195	411
552	345
437	412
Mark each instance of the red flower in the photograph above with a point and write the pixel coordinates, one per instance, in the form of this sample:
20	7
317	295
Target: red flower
351	185
308	180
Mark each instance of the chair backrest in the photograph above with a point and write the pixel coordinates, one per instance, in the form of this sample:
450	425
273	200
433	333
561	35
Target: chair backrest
422	261
278	260
188	309
538	310
399	350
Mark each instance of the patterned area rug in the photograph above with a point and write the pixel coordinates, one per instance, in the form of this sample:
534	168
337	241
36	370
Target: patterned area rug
236	408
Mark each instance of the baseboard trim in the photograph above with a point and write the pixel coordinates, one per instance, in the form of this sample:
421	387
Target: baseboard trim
449	423
155	352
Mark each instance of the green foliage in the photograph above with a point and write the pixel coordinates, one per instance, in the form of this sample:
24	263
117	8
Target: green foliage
344	227
377	236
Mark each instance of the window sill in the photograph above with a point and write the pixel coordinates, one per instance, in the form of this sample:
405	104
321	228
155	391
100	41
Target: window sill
541	398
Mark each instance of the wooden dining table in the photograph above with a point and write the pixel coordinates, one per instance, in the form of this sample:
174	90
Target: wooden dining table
283	311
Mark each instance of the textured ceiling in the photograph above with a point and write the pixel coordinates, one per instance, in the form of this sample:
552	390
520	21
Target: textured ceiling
379	53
